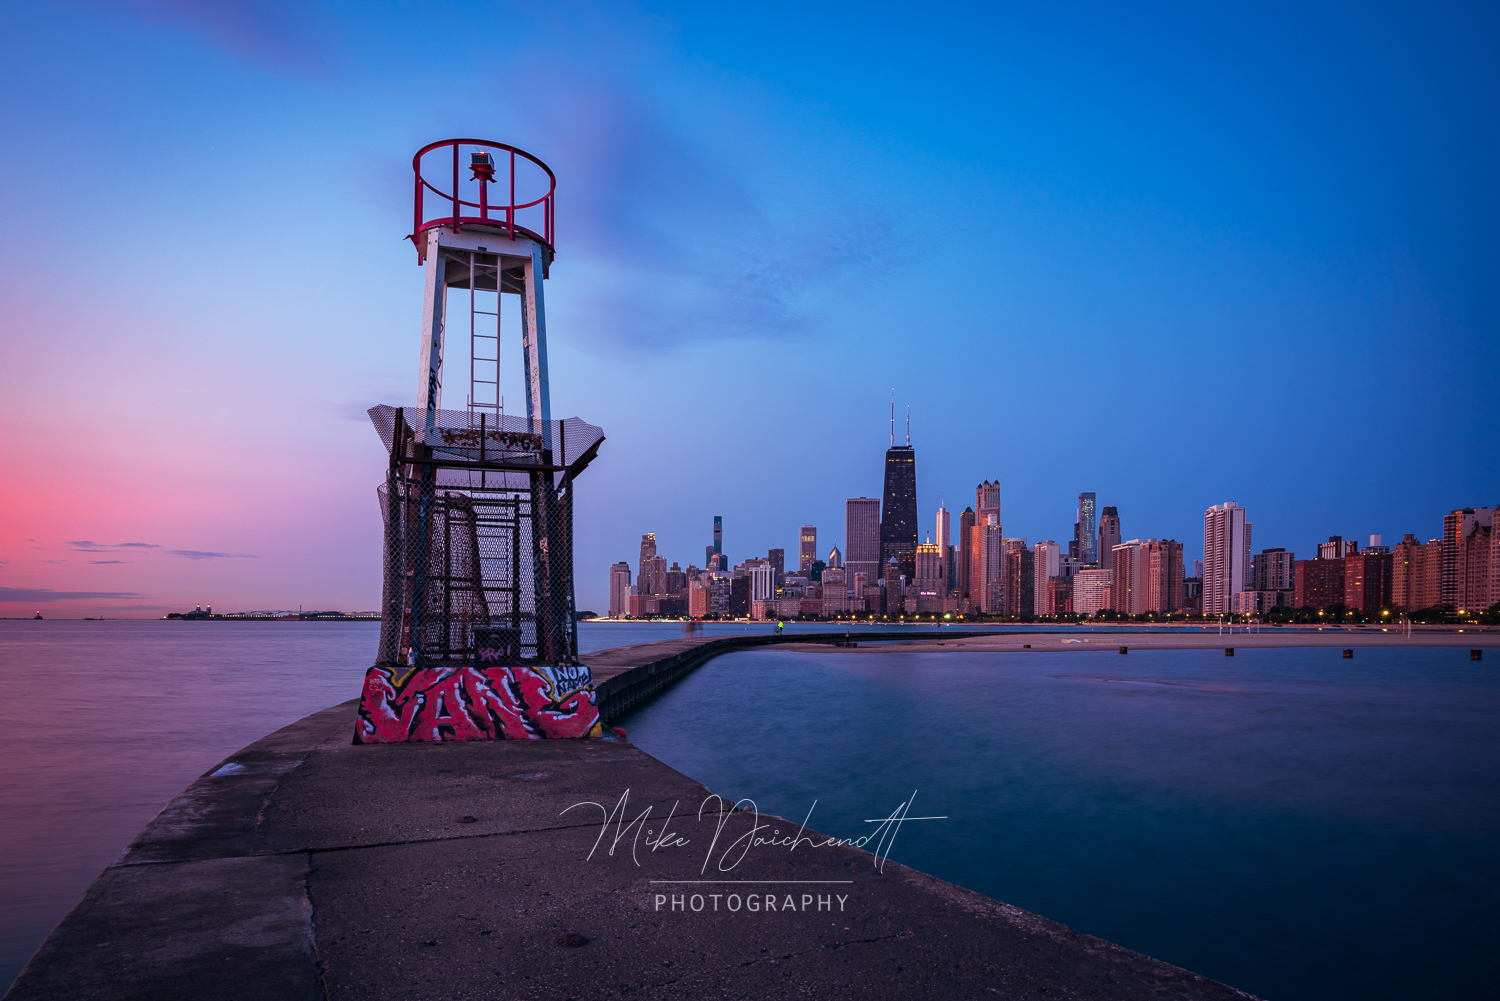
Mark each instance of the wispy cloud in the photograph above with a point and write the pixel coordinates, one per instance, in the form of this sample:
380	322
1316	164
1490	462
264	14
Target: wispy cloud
199	554
97	563
744	266
90	546
274	33
42	595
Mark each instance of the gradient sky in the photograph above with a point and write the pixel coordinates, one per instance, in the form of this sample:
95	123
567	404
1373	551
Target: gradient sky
1175	255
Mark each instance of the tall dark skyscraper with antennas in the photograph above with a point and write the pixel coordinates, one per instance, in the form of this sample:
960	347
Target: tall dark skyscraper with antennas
898	509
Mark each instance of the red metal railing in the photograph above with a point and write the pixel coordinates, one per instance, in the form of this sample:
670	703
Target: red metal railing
509	215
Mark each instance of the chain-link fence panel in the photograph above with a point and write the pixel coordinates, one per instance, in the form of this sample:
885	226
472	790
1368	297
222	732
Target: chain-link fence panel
478	578
479	538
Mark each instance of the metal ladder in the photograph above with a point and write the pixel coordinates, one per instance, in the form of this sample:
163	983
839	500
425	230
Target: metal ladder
484	348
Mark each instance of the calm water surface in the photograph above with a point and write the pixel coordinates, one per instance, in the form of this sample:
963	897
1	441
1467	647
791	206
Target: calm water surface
108	721
1295	824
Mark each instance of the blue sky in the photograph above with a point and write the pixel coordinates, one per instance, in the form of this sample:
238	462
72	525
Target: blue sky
1175	255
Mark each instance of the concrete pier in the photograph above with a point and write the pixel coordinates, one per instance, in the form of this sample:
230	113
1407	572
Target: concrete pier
309	867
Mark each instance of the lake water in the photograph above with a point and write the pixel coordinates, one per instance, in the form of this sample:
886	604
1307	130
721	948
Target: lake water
1289	822
1292	823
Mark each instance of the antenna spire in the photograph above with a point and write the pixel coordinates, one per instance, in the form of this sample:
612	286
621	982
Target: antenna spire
893	417
908	425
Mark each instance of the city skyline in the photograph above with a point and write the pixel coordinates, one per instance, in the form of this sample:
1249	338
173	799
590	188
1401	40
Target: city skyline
1226	548
1457	573
989	572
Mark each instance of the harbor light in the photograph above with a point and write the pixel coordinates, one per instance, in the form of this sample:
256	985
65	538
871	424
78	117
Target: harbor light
482	165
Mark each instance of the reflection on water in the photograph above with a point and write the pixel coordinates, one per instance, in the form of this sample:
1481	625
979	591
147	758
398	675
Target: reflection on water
1295	824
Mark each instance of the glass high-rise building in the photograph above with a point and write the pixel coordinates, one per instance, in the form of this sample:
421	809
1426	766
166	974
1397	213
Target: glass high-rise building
862	538
1085	530
1226	557
898	510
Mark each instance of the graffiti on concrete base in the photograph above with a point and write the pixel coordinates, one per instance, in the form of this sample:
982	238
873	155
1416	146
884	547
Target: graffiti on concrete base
461	702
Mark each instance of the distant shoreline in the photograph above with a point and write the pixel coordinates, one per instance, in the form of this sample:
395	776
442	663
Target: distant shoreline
1123	628
216	618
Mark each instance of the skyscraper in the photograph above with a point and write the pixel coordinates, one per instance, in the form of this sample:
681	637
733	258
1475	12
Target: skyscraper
1109	538
929	562
1226	556
1416	573
931	590
717	549
762	582
1020	582
653	577
835	591
1085	538
987	501
991	570
643	572
676	581
619	590
807	548
1367	581
1164	575
944	538
898	509
1092	591
862	537
1465	581
1128	591
835	559
1047	564
986	562
966	523
895	587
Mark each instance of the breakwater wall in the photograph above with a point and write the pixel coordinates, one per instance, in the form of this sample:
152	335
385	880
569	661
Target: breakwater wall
626	686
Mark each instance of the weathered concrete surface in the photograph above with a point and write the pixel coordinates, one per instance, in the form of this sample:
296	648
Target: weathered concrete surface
322	869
